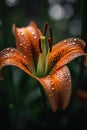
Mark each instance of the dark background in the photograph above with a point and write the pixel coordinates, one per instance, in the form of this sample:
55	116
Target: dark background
21	103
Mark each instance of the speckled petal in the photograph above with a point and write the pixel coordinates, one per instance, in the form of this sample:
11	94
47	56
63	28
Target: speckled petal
27	42
34	34
11	56
58	88
64	52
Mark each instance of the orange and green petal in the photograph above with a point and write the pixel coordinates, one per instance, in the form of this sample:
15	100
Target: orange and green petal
57	87
11	56
64	52
27	39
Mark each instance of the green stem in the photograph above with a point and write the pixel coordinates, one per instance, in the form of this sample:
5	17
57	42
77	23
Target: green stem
43	98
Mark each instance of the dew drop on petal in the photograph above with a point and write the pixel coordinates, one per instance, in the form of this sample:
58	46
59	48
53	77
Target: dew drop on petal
52	88
21	44
73	43
22	33
12	50
24	56
69	80
35	37
33	32
75	39
64	40
73	56
6	56
68	74
14	54
8	49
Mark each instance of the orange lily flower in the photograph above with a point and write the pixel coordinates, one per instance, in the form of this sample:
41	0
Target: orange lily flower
43	62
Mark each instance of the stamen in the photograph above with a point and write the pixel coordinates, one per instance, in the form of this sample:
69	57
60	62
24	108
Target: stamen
45	28
50	44
40	46
51	34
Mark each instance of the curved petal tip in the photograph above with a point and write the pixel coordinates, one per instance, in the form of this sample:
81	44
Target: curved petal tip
58	88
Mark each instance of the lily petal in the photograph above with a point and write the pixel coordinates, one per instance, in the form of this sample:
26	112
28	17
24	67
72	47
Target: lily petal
27	42
64	52
58	87
34	34
11	56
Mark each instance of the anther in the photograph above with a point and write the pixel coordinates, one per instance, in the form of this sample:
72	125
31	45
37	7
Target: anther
50	44
40	46
45	28
51	34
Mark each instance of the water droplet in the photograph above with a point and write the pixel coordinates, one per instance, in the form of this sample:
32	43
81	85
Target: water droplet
12	50
52	88
60	80
6	56
73	43
64	72
35	37
64	40
73	56
22	33
66	78
75	39
69	80
58	76
21	44
33	32
8	49
24	56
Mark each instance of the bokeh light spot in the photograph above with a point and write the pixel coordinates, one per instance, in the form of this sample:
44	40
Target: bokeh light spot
75	27
56	12
11	3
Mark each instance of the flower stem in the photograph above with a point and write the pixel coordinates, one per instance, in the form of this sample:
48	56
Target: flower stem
43	98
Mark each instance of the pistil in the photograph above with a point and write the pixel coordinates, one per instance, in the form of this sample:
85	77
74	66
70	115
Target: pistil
42	57
42	64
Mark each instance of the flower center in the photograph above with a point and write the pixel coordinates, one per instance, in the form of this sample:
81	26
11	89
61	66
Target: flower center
45	49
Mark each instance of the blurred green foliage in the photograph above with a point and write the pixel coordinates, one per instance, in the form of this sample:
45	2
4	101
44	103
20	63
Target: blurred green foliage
22	106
